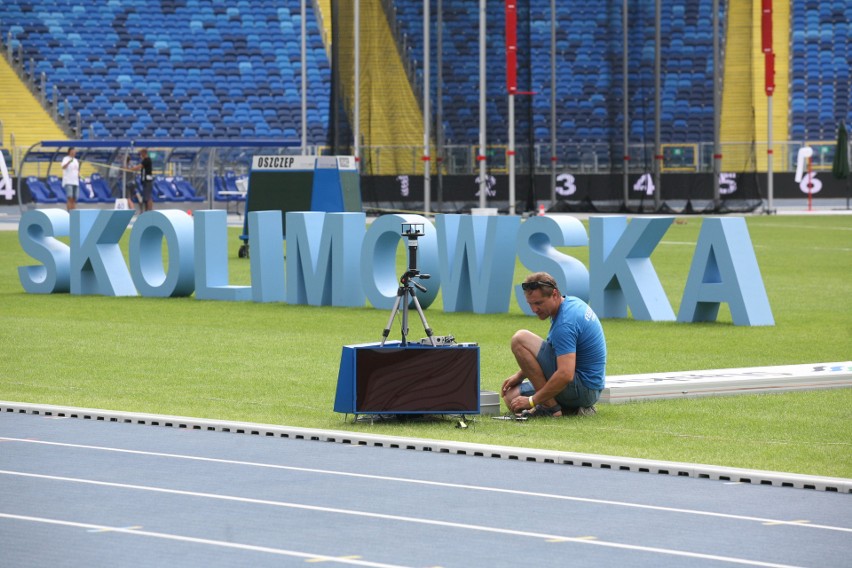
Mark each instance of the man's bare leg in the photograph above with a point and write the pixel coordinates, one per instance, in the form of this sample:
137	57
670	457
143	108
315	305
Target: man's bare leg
525	347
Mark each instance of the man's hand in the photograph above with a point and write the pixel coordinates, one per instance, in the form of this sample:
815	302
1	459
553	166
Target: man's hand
512	381
520	403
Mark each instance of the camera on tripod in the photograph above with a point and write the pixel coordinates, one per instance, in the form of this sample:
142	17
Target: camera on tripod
405	294
413	231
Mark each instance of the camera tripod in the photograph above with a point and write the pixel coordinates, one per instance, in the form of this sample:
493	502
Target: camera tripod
405	294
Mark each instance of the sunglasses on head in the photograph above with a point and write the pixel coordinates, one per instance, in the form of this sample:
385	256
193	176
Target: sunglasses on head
535	285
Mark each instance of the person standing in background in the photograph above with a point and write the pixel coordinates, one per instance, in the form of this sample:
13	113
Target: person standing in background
146	172
71	178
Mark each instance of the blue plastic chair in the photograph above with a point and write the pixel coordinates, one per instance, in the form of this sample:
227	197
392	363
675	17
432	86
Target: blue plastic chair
38	191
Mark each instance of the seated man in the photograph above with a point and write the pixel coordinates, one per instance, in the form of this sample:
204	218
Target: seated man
565	372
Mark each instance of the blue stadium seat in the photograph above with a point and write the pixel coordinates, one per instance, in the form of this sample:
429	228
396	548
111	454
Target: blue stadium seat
185	190
87	193
39	192
128	52
188	68
99	187
820	80
54	186
162	190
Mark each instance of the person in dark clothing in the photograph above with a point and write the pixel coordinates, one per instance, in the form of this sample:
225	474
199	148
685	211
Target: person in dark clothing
146	172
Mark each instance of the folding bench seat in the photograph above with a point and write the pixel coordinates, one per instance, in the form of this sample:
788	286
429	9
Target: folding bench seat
101	189
54	186
38	191
185	189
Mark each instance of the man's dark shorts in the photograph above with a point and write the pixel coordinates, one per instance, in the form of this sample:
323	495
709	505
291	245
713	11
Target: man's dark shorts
575	395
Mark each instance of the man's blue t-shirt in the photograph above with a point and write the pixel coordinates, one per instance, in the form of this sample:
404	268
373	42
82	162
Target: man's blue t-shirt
576	329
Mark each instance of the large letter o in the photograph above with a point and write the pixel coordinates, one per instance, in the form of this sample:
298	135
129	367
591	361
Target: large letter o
146	254
378	260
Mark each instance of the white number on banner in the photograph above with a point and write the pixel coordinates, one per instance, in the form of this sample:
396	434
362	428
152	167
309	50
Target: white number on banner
565	184
6	189
645	183
403	185
490	185
727	183
816	184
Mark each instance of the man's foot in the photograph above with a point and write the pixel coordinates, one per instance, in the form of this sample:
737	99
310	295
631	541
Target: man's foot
541	411
582	411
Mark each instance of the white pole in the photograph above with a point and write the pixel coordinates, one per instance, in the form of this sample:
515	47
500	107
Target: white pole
769	151
439	122
511	154
626	158
483	182
356	129
658	148
717	103
304	83
427	167
552	103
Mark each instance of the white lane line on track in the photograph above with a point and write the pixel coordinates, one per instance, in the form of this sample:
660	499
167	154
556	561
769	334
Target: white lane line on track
193	540
761	520
112	529
404	519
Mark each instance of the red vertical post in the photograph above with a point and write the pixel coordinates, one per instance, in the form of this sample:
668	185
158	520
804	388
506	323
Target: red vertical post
766	26
511	46
810	184
769	80
766	44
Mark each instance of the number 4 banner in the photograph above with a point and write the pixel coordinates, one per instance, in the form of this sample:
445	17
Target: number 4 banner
6	189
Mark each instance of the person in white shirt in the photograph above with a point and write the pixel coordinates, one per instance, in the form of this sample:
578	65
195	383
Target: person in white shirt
71	178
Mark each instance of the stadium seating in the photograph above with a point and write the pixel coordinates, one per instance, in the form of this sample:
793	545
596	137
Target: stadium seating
176	68
820	83
223	191
100	188
185	191
163	190
174	189
87	193
54	185
589	79
187	68
39	192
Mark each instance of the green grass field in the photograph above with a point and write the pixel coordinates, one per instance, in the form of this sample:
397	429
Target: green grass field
278	363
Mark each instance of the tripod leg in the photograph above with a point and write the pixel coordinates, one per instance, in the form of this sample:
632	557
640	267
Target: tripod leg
390	321
404	323
423	319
